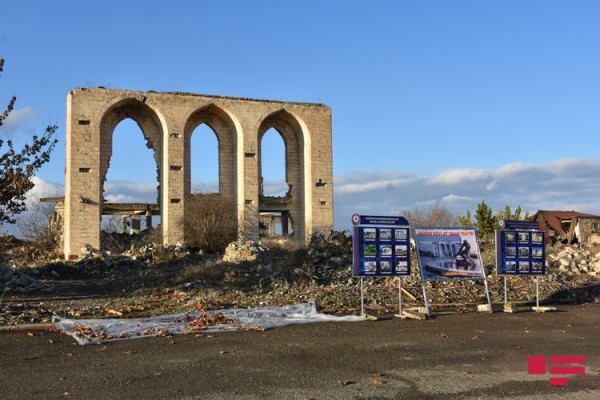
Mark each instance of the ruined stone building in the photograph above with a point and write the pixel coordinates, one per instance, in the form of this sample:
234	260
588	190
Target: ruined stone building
167	121
569	226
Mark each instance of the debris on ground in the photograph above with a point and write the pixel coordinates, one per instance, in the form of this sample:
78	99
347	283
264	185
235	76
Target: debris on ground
136	277
88	331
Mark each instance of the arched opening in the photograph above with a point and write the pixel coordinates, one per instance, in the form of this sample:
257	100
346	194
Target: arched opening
273	164
204	160
130	188
281	199
210	175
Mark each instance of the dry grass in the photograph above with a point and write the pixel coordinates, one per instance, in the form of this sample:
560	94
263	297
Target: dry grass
210	222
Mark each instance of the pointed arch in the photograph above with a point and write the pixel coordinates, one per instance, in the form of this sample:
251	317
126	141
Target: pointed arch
297	203
229	135
149	123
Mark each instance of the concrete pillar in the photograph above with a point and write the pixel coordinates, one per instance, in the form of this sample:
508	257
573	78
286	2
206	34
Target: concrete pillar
285	223
136	224
271	227
123	224
148	219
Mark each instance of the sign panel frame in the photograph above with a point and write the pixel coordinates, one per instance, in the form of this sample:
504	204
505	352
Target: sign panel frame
448	254
520	249
380	246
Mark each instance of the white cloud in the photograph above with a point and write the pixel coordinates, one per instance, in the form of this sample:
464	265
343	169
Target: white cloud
566	184
275	188
130	192
453	198
41	189
459	176
569	184
18	119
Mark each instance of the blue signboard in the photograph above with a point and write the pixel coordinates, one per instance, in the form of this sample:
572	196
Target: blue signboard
519	225
520	251
381	246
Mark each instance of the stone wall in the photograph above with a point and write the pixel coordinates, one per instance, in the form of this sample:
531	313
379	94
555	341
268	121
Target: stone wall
588	230
167	121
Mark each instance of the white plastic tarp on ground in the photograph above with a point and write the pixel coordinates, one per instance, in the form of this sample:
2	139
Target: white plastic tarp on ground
94	331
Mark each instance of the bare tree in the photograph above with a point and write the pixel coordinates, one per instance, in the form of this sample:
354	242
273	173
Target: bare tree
210	222
17	167
435	215
41	226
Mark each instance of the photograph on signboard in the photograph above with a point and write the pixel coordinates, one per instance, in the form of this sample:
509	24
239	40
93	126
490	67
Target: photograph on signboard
523	251
537	267
523	266
385	250
511	267
510	237
448	253
370	233
400	250
402	267
370	250
523	236
401	234
537	237
385	234
510	251
537	251
370	267
386	267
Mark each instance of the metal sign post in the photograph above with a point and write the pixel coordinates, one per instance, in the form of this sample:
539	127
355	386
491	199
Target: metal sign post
380	248
425	298
362	296
399	296
485	282
449	254
537	291
520	251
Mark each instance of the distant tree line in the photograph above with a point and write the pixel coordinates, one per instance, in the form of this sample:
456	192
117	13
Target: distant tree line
484	220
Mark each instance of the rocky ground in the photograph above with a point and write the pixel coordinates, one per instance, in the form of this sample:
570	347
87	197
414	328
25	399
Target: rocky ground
138	278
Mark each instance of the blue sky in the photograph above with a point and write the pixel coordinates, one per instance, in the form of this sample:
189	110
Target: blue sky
446	102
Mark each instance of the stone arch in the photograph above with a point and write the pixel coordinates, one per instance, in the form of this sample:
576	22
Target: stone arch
224	128
149	123
296	203
164	120
229	137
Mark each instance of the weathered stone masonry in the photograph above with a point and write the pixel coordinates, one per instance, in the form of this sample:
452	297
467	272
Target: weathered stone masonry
167	121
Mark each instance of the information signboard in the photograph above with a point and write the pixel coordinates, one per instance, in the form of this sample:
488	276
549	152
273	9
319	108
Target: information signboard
381	246
448	253
520	249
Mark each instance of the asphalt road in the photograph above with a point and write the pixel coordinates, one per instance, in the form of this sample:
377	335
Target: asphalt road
461	356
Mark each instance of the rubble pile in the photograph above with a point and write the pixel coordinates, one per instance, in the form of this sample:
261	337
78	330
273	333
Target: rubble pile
583	259
242	250
12	280
20	281
136	274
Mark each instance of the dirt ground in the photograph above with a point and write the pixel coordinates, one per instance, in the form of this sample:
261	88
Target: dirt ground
458	356
144	280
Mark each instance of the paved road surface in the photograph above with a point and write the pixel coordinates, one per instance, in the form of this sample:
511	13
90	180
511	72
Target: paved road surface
462	356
